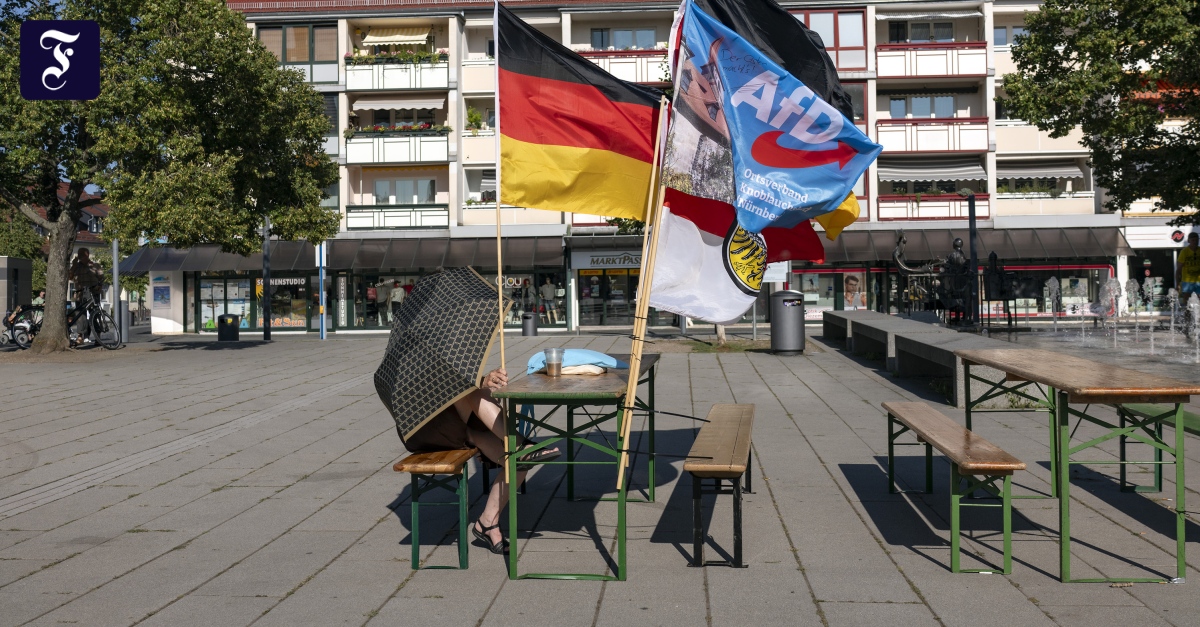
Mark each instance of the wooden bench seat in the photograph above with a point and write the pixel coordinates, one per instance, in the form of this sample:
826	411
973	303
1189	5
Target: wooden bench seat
424	468
970	457
721	452
1139	412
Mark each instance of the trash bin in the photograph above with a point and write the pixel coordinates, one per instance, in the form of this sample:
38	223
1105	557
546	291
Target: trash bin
787	322
529	324
227	327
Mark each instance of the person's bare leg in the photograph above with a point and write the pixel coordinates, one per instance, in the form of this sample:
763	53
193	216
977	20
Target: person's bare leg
493	449
488	411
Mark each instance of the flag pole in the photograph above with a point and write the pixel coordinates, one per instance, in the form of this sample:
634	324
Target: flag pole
649	249
499	242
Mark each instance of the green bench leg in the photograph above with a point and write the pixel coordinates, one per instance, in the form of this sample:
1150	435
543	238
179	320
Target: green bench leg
422	484
958	491
892	435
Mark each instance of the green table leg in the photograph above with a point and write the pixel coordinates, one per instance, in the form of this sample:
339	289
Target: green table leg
570	442
510	425
622	572
1062	452
650	423
1052	401
1180	495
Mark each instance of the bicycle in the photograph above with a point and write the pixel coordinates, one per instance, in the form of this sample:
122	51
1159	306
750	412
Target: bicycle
22	324
99	324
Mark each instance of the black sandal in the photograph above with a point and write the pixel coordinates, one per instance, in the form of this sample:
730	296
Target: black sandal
537	457
480	533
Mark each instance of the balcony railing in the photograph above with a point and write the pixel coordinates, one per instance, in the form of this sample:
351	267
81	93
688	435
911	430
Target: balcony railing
398	76
968	58
366	217
316	72
374	148
479	75
932	207
479	147
635	66
1040	203
933	135
1024	138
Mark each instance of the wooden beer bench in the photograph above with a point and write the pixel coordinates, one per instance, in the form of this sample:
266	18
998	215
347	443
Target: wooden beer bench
425	468
721	452
970	456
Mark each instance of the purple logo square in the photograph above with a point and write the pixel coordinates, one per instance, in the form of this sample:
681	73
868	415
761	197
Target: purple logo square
60	60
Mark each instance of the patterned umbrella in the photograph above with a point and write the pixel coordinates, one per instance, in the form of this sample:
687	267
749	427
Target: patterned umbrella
440	340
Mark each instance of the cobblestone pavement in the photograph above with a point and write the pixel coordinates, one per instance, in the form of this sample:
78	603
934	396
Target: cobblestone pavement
183	482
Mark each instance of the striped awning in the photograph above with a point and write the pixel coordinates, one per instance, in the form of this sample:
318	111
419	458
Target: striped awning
1008	244
943	169
1038	169
926	15
396	36
398	102
354	254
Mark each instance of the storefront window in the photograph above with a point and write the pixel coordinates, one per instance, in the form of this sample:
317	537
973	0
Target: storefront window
289	302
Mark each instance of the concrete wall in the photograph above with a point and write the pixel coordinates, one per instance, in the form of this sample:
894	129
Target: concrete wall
166	317
16	282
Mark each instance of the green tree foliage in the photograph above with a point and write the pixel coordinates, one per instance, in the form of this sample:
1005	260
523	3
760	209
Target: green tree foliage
197	135
1119	70
627	226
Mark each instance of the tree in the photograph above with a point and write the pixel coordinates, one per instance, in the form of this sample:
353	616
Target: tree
1119	71
197	135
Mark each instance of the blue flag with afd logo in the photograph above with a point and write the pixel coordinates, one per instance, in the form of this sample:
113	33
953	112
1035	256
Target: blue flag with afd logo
747	132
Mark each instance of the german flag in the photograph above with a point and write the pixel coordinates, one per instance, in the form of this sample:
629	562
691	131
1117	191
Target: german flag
572	136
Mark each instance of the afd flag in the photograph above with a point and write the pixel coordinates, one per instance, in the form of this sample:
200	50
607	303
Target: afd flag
747	132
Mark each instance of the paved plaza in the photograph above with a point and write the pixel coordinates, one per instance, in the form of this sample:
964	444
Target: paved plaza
188	482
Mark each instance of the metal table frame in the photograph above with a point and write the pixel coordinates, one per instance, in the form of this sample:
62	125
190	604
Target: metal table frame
568	437
1139	426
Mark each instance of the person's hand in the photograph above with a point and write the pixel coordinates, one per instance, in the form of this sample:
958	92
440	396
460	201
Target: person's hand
495	379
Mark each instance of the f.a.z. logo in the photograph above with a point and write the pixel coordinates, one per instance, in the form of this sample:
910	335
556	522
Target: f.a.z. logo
60	60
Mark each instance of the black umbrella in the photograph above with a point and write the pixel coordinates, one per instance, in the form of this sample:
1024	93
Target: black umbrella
441	336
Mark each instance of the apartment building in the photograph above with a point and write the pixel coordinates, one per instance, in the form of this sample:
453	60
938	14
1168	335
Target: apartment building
409	89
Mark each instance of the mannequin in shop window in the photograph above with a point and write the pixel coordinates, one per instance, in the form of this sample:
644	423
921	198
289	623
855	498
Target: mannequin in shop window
395	297
547	291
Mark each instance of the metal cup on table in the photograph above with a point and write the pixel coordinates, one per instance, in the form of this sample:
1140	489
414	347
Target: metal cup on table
554	359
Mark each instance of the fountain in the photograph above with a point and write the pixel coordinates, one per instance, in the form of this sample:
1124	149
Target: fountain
1110	302
1131	300
1173	300
1081	290
1148	289
1052	294
1194	308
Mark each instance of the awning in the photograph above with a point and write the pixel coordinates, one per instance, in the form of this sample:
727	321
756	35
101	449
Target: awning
354	254
604	242
1038	169
945	169
1009	244
398	102
391	36
927	15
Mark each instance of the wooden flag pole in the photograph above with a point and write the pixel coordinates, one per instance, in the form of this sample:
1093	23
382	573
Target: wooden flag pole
649	249
499	242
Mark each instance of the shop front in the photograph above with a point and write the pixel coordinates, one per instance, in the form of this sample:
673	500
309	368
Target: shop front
365	281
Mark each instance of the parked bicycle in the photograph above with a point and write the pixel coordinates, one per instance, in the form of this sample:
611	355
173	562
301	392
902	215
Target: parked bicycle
19	324
100	327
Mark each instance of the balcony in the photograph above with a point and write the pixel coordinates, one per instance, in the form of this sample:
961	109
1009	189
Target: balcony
932	207
484	214
374	217
933	135
479	76
381	76
479	147
635	66
931	60
1043	204
1026	138
377	148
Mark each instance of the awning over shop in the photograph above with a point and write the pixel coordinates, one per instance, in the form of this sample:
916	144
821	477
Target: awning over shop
945	169
605	242
396	36
1009	244
398	102
354	254
926	15
1038	169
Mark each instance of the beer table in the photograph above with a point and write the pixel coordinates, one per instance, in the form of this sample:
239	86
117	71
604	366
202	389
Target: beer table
571	393
1055	381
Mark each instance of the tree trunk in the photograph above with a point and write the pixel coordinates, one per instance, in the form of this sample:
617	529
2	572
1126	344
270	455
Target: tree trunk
721	341
53	336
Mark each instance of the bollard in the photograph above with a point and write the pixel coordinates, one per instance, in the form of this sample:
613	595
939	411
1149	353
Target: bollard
123	320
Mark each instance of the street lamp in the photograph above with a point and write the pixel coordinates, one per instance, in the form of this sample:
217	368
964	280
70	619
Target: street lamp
974	234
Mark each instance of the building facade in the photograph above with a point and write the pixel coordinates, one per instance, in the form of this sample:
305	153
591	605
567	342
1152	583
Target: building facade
409	89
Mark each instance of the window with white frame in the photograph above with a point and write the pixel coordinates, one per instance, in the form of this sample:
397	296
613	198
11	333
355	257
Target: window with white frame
623	38
405	191
900	107
920	32
1004	36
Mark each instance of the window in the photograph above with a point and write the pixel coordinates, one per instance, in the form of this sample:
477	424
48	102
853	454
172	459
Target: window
897	32
1018	31
921	107
623	38
855	91
312	49
943	106
1000	36
405	191
843	33
1002	112
272	40
331	111
898	108
919	32
491	53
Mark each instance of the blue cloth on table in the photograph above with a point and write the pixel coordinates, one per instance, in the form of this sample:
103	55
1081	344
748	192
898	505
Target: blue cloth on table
576	357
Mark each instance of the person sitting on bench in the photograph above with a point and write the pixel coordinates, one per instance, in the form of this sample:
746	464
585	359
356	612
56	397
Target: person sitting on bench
476	420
